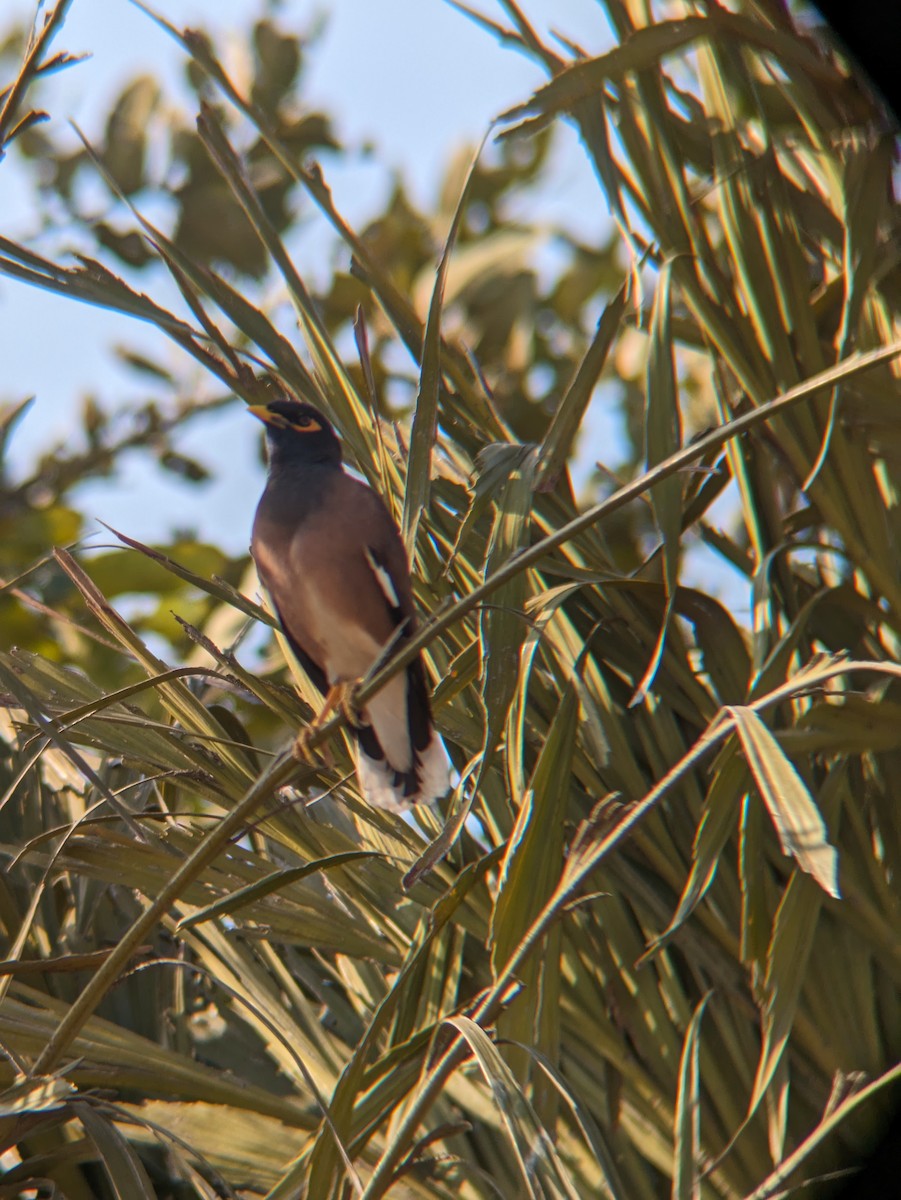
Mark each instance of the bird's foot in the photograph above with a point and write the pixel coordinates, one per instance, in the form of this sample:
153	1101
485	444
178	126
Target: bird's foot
309	755
344	700
340	698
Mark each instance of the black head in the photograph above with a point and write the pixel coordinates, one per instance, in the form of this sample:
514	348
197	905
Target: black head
297	433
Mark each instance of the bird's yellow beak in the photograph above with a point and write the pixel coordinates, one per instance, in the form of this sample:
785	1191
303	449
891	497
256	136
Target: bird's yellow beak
262	413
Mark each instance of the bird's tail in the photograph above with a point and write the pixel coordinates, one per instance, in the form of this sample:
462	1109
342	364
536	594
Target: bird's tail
384	787
401	760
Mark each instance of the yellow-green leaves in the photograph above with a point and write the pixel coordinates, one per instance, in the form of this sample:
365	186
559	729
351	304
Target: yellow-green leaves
126	133
559	440
586	78
502	621
801	829
543	1175
425	417
663	438
688	1168
528	877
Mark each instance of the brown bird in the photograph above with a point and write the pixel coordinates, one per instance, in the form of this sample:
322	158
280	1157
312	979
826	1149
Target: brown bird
333	563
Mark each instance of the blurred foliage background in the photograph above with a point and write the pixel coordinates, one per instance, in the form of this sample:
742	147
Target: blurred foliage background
649	946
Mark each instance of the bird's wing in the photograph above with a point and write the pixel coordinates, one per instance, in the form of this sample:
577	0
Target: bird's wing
337	576
339	581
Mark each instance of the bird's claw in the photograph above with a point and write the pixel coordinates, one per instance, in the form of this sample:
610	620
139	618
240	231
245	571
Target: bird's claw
311	756
345	702
341	698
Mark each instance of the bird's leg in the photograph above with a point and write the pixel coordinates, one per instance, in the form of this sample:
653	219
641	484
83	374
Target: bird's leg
344	701
339	698
303	752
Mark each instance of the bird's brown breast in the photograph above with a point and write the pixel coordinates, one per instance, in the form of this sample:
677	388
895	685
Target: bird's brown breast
315	566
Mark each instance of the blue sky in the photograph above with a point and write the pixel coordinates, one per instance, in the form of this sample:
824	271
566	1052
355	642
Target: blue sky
389	71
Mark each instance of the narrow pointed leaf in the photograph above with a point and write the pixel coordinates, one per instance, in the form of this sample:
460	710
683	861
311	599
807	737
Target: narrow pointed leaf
688	1167
425	417
543	1173
801	830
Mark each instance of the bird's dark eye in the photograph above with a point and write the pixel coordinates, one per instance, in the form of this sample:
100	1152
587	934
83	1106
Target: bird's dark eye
303	422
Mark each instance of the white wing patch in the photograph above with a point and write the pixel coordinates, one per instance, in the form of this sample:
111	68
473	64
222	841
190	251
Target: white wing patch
384	579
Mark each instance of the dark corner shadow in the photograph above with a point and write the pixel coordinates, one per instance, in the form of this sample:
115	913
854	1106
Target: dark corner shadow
870	32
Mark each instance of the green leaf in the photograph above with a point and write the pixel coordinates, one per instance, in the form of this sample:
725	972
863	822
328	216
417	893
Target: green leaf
663	438
543	1174
688	1165
123	1168
272	883
528	876
585	79
502	621
719	819
561	434
213	586
801	830
335	384
425	416
126	133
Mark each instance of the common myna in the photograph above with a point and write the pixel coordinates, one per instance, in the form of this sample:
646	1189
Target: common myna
333	563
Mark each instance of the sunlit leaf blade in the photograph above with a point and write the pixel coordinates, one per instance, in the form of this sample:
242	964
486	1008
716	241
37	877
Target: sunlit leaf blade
561	435
583	79
122	1166
35	1095
502	624
717	824
272	883
787	959
425	417
528	876
687	1166
797	820
215	587
663	437
830	1122
543	1174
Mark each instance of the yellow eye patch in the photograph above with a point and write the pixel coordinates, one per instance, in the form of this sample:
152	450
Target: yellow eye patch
304	425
